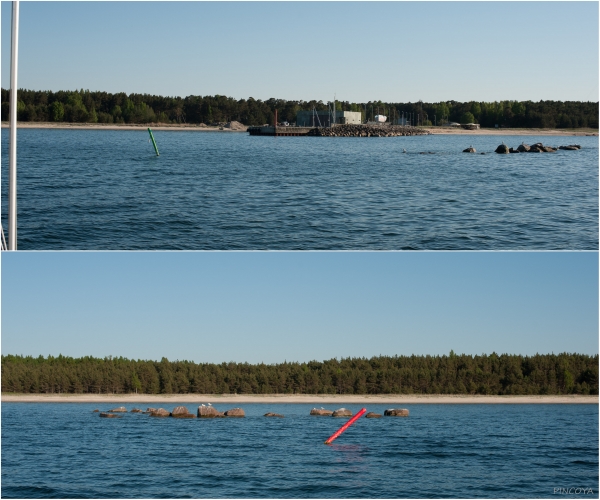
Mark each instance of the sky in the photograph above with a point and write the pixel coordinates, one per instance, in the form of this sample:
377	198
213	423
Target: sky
297	306
355	51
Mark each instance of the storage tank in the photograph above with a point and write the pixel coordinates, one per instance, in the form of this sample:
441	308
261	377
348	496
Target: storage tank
380	118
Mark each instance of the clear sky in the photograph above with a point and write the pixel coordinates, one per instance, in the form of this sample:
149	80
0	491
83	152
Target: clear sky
359	51
270	307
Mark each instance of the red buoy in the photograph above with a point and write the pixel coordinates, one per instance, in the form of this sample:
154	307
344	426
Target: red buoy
345	426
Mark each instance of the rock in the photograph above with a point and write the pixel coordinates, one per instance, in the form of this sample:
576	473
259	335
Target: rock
150	410
208	412
273	415
342	412
470	149
120	409
502	149
182	412
572	147
235	412
511	150
523	148
396	413
110	415
373	415
161	412
321	412
96	411
136	410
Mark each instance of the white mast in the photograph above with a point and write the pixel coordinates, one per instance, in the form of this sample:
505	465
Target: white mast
12	170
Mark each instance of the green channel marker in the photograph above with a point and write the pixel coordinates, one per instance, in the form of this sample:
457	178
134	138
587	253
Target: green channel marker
153	141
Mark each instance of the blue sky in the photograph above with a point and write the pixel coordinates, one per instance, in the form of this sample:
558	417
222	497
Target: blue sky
359	51
271	307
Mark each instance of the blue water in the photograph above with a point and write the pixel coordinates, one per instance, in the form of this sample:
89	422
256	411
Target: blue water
492	451
100	189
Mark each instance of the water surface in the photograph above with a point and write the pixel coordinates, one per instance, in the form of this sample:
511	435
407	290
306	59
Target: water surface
64	450
102	189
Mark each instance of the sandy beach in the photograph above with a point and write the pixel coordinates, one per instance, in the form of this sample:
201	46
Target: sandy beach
198	128
233	399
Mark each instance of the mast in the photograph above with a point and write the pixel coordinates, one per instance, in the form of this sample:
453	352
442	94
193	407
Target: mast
12	169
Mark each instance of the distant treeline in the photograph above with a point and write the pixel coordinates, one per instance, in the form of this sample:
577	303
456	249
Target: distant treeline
453	374
102	107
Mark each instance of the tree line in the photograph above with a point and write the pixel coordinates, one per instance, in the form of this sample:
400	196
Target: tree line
492	374
83	106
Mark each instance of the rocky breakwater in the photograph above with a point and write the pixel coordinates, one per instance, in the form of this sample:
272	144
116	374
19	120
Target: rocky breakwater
367	131
396	413
182	412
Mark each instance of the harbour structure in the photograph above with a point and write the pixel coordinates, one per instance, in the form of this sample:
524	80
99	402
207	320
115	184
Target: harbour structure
326	118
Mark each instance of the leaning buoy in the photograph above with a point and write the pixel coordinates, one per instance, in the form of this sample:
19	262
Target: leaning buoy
345	426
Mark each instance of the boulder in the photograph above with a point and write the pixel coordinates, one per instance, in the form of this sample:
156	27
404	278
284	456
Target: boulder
235	412
208	412
161	412
321	412
342	412
523	148
136	410
273	415
150	410
396	413
110	415
182	412
120	409
502	149
373	415
470	149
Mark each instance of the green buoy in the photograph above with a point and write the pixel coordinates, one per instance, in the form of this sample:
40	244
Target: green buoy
153	141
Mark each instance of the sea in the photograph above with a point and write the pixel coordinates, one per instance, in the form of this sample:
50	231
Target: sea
107	190
64	450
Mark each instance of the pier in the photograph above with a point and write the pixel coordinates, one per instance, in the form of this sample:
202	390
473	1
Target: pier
279	131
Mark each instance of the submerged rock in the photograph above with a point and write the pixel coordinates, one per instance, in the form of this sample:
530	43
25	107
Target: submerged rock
373	415
136	410
342	412
273	415
161	412
208	412
96	411
470	149
120	409
110	415
396	413
321	412
182	412
235	412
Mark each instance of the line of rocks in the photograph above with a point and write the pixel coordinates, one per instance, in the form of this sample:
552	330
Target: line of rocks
211	412
538	147
343	412
367	131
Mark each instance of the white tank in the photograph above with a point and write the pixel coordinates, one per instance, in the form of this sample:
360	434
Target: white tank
380	118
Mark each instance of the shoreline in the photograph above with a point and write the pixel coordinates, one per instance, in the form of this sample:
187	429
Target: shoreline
297	399
197	128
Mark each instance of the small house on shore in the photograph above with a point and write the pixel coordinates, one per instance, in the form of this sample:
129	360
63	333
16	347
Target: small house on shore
325	118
